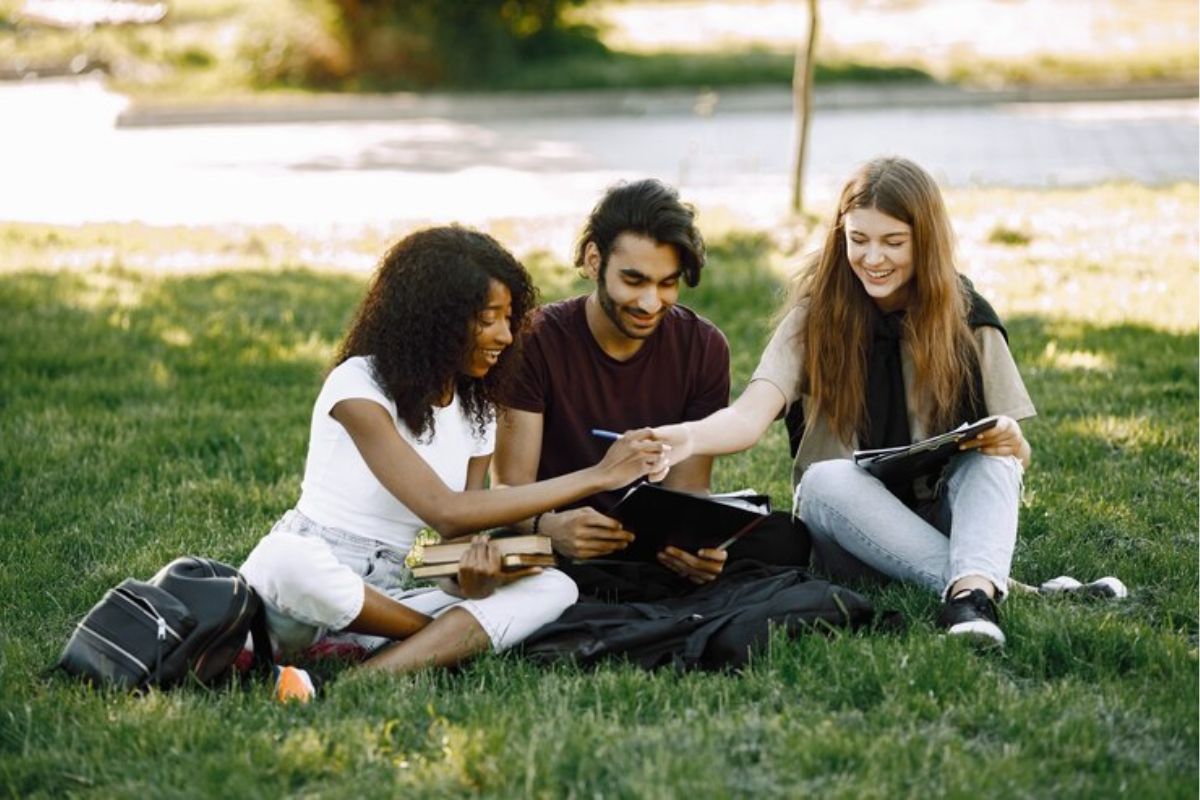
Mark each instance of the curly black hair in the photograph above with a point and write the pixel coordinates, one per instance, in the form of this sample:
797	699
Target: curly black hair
419	317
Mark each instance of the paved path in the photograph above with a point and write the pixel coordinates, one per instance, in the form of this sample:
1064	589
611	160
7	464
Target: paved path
64	160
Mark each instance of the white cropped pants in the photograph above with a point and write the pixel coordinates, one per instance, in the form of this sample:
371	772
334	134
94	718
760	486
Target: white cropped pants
311	578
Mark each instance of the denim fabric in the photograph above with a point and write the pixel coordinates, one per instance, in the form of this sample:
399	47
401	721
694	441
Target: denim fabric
860	529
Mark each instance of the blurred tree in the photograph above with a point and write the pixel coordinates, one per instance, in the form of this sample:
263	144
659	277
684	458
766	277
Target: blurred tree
802	91
425	43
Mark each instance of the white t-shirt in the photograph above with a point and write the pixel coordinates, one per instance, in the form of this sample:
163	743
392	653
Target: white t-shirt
340	491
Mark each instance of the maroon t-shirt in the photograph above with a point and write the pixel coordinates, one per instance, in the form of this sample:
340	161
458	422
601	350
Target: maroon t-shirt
681	373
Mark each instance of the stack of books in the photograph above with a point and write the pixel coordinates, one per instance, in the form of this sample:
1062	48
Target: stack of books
516	552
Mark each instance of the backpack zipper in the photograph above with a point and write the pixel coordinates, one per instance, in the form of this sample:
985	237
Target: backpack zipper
150	611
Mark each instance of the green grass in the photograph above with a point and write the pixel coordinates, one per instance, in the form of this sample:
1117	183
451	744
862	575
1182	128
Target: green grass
617	70
144	415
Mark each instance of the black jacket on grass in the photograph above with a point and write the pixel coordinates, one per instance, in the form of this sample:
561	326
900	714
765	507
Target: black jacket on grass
718	626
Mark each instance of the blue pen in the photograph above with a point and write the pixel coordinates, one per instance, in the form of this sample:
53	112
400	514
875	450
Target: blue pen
603	434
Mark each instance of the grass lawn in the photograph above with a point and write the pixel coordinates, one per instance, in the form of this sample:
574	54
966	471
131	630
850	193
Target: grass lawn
146	413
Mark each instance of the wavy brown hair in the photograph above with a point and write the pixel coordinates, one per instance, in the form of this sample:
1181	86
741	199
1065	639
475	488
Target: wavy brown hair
420	315
838	329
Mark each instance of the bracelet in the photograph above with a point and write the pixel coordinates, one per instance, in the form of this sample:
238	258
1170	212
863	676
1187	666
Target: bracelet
537	520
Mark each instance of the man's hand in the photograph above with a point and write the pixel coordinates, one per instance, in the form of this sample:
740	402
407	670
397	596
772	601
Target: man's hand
700	568
584	533
480	571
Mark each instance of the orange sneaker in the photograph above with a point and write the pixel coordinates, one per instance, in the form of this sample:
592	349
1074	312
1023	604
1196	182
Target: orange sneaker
293	683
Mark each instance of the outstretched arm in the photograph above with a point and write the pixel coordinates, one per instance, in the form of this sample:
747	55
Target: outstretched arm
730	430
405	474
705	564
578	532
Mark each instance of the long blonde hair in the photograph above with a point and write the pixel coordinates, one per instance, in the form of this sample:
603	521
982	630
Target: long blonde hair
837	333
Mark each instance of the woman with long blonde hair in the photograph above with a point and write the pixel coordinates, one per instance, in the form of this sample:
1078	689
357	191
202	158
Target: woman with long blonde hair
884	343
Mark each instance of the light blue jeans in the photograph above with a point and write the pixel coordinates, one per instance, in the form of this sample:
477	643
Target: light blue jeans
860	529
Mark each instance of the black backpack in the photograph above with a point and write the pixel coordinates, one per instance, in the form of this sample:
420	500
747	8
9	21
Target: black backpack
190	618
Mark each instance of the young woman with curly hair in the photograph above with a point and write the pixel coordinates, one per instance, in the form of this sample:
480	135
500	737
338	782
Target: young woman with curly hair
401	438
883	343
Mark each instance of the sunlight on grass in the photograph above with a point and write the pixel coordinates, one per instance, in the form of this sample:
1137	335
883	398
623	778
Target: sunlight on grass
312	348
108	289
983	41
1105	254
306	750
1110	253
176	336
1074	359
184	250
148	413
160	374
1135	432
156	705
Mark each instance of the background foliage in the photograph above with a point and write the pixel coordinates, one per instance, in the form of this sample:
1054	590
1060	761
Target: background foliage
221	47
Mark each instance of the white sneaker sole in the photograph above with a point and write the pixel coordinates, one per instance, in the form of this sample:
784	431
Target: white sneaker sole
979	631
1108	587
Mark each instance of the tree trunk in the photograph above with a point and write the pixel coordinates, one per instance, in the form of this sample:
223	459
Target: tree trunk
802	94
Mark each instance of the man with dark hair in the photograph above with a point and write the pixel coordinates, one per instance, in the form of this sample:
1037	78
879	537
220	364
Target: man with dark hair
622	357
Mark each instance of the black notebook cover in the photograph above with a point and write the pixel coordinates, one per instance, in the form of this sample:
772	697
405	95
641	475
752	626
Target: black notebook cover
659	517
895	465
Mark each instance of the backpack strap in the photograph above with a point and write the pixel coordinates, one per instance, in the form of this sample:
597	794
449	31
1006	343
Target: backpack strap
264	657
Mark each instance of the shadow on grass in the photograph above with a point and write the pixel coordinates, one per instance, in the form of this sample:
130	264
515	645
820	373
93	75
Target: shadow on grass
143	417
1113	485
147	416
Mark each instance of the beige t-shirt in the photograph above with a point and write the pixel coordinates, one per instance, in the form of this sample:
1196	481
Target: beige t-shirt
782	365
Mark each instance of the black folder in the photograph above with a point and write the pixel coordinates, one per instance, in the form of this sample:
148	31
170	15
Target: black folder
659	517
896	465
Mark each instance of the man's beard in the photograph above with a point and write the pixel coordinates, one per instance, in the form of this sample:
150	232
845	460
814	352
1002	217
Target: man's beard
610	309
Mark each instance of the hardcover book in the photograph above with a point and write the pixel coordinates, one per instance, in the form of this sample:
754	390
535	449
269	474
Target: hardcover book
516	552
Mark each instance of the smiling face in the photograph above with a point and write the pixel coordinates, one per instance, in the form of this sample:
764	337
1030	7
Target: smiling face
636	288
493	331
880	251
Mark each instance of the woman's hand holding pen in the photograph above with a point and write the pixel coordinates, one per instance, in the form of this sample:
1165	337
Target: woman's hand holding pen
633	455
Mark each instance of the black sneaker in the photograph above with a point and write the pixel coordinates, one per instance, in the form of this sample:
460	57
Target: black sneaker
972	614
